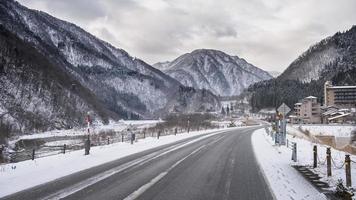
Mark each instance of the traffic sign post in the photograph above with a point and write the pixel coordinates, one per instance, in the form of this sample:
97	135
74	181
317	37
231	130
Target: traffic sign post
283	110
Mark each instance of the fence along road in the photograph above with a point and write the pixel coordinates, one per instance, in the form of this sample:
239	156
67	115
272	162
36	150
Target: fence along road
220	166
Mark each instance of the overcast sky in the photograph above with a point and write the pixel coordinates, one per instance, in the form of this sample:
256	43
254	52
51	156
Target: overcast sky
267	33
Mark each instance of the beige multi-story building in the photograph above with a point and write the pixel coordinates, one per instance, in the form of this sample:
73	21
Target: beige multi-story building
340	96
307	111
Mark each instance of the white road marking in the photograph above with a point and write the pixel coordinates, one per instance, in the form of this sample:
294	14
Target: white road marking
137	162
229	178
145	187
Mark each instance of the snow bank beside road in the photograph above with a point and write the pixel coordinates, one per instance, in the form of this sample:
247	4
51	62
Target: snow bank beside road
275	163
31	173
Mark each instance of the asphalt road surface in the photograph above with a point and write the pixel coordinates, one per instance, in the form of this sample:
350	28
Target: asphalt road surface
220	166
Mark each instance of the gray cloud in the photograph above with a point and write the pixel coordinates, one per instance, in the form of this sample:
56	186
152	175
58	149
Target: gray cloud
267	33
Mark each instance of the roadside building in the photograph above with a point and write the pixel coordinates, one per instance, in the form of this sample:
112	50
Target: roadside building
307	111
327	112
340	96
332	114
340	118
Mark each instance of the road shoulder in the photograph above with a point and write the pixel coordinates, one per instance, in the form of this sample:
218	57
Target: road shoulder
284	181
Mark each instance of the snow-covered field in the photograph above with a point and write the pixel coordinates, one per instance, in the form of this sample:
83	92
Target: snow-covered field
31	173
63	142
275	163
115	126
326	129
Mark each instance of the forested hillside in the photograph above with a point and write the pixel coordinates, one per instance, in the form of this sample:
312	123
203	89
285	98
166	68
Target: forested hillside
307	74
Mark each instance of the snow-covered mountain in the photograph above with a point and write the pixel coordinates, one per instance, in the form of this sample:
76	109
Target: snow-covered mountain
275	74
336	52
213	70
332	59
92	75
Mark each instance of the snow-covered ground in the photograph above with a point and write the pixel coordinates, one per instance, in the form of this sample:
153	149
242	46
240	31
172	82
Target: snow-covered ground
275	163
115	126
31	173
285	180
305	157
63	142
329	129
226	123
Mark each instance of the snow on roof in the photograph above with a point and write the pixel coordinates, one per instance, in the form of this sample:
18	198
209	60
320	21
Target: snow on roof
330	112
339	116
345	86
333	106
298	104
311	97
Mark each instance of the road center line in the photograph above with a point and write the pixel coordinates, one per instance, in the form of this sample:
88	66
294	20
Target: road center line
145	187
137	162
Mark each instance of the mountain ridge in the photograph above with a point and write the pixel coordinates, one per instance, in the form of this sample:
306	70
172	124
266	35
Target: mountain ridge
122	84
331	59
213	70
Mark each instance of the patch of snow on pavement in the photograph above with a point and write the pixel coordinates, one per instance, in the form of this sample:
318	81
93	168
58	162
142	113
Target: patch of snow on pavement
275	162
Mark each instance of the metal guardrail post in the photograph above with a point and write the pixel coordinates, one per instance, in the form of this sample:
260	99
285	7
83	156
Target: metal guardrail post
64	148
294	152
328	161
33	154
315	156
348	170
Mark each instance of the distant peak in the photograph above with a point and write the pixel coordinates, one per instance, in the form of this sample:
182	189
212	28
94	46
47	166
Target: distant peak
207	51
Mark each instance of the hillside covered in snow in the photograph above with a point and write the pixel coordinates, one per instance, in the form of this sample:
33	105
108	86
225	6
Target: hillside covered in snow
332	59
213	70
336	53
52	73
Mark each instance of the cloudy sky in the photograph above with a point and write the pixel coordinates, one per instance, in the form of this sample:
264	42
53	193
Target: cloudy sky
268	33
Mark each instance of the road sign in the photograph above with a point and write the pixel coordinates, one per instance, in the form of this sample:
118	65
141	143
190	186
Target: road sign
284	109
